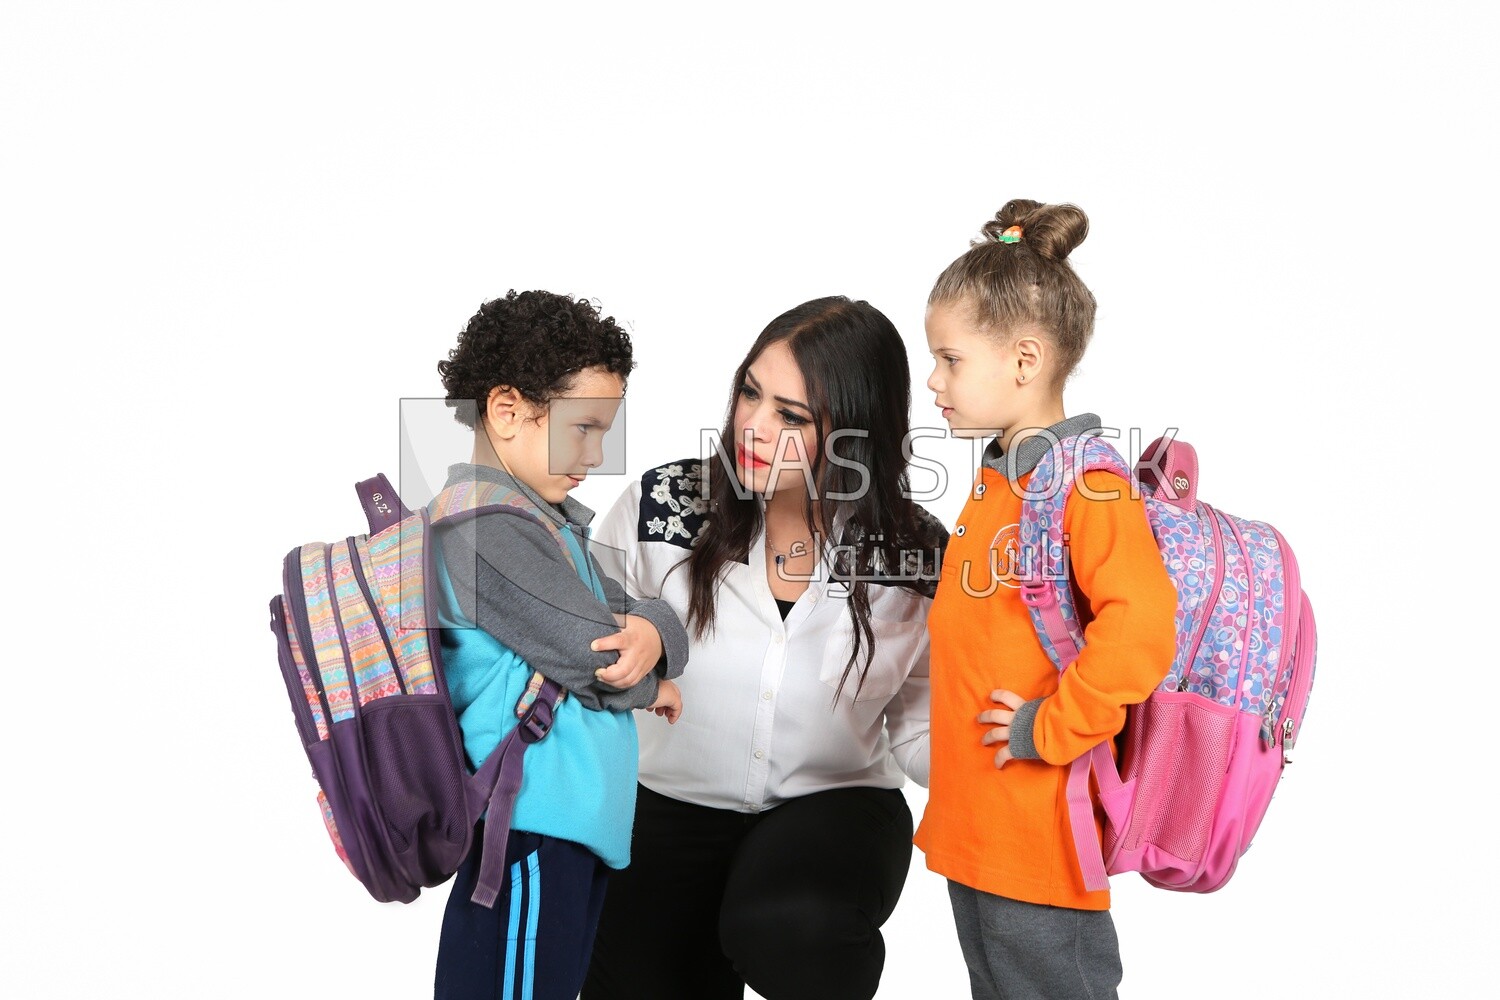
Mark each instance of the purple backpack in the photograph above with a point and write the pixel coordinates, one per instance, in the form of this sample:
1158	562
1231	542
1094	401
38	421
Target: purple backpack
1200	759
361	658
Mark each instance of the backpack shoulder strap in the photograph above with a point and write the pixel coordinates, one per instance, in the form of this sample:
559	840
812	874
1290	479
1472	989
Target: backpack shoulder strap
1047	590
470	499
496	786
1048	595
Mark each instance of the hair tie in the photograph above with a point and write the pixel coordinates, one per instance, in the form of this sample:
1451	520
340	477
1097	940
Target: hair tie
1011	235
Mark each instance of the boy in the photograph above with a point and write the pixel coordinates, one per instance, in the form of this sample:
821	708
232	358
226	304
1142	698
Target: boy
539	378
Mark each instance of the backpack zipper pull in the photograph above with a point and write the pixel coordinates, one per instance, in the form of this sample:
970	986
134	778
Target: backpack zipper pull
1288	741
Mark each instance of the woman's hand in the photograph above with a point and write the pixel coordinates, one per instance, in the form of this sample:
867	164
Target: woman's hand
1000	719
668	703
639	645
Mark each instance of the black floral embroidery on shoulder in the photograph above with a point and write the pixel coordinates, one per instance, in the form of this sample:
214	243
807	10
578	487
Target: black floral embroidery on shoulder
911	563
935	543
673	508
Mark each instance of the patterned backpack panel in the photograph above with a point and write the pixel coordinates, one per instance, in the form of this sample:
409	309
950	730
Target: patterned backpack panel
359	653
1199	758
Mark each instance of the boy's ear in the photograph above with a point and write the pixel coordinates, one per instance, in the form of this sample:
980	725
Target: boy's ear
505	410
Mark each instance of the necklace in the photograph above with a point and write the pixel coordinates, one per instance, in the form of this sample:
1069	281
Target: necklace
799	548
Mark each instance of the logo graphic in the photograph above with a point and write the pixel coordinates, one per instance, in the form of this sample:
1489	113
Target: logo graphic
1005	556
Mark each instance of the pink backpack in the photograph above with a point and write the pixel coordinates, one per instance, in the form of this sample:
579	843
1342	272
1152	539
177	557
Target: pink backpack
1201	757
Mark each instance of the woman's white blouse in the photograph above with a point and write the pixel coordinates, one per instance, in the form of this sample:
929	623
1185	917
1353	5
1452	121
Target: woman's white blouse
759	723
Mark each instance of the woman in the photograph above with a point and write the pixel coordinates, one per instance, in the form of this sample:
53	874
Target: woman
771	838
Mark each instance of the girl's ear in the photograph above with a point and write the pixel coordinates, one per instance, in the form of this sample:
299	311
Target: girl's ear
1029	355
505	411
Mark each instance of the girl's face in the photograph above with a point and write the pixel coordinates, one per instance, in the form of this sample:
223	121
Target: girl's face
775	439
552	449
977	379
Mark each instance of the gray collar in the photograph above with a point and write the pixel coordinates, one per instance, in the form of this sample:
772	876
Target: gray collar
570	511
1031	449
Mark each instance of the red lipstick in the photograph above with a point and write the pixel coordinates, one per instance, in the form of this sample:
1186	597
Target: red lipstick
749	459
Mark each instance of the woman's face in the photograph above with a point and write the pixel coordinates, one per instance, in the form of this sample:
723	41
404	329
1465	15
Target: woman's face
775	440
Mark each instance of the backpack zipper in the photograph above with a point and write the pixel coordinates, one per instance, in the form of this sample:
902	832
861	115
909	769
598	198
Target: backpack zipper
1250	618
301	711
291	581
355	701
1291	583
1302	678
1213	593
364	588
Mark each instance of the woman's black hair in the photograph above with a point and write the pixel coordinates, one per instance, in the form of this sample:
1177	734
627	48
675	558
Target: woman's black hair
534	342
854	366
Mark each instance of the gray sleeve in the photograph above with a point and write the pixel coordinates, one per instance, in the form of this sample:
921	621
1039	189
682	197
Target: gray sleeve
512	580
674	639
1021	745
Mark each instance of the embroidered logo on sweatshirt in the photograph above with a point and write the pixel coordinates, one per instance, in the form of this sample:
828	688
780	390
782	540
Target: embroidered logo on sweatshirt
1006	566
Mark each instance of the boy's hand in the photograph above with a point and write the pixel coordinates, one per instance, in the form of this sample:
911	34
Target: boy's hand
668	703
639	645
1000	719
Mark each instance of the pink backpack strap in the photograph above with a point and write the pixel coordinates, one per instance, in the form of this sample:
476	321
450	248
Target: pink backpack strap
1047	590
1047	593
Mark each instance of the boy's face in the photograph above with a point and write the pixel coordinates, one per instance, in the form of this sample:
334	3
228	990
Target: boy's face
555	448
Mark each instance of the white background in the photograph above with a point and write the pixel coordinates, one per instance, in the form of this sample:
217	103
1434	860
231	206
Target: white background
233	236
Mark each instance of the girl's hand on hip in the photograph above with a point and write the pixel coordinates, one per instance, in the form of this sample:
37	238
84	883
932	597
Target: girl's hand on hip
1000	719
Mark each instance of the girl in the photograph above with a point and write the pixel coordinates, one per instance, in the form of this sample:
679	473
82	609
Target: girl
772	838
539	377
1006	324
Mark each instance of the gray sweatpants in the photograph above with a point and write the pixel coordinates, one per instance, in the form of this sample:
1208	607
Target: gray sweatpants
1023	951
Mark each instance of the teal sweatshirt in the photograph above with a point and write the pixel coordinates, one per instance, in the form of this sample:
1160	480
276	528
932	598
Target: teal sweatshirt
579	782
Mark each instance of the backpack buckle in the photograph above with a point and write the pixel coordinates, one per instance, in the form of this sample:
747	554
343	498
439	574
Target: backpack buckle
537	722
1037	594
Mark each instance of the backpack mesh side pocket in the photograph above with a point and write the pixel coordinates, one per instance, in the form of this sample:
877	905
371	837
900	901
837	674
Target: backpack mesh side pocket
1178	756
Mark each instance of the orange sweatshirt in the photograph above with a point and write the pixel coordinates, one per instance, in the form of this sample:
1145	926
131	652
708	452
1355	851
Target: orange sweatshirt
1006	831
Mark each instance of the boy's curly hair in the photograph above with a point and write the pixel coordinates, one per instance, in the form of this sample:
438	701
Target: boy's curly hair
534	342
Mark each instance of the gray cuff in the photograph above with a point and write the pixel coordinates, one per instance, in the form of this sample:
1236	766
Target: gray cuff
1021	746
624	699
674	639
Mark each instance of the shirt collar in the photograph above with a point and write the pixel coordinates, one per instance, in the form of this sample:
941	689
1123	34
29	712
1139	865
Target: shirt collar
1032	447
